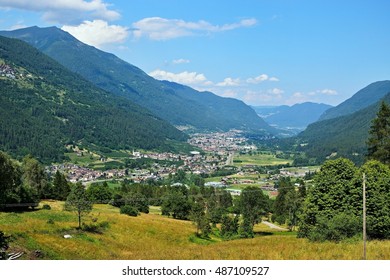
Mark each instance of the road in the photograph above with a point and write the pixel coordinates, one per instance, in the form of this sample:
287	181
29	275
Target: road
271	225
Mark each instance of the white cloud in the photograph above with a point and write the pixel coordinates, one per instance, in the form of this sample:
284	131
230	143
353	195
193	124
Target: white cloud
98	32
157	28
261	78
229	82
276	91
65	11
187	78
329	92
181	61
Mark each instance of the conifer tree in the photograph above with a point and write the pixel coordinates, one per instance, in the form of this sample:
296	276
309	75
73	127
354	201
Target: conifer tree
379	140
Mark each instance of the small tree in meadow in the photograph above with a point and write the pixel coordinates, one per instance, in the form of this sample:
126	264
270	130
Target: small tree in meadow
78	202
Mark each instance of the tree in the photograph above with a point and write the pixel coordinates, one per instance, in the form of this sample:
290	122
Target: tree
253	204
99	193
9	180
378	198
77	201
199	217
61	187
34	175
379	140
333	194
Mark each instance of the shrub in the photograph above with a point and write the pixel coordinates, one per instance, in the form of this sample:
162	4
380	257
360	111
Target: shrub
46	207
340	227
129	210
96	227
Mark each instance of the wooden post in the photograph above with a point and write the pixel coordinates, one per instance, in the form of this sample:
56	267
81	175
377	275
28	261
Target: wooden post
364	217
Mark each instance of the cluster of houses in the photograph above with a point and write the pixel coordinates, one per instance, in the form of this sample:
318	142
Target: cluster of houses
7	71
221	143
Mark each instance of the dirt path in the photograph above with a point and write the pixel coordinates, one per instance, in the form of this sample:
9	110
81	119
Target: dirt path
271	225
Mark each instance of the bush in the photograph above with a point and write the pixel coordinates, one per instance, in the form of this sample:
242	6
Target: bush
129	210
340	227
46	207
96	227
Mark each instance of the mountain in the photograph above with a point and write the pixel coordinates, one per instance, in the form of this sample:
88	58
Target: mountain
343	136
178	105
360	100
293	118
44	106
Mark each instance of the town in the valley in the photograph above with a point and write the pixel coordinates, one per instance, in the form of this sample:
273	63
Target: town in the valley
214	151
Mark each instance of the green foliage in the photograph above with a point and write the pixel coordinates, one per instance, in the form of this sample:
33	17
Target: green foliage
176	204
378	198
341	226
78	202
46	207
99	192
129	210
4	245
379	140
333	206
253	204
229	226
61	187
14	191
199	216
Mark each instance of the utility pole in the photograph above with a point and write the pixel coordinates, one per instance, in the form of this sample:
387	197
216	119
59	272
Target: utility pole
364	217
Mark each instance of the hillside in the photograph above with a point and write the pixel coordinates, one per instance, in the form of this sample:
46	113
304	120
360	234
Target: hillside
360	100
344	136
154	237
294	118
44	106
178	105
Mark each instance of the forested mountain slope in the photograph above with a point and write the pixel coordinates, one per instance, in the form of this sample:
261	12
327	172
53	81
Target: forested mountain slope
44	106
344	136
360	100
168	101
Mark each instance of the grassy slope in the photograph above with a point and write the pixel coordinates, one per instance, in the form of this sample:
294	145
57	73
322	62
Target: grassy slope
155	237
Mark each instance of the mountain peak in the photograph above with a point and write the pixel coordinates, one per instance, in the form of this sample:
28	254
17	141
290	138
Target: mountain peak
362	99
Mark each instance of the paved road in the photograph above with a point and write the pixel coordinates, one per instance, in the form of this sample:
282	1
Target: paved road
271	225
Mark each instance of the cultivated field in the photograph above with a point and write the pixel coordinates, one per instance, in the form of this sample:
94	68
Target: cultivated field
261	159
153	236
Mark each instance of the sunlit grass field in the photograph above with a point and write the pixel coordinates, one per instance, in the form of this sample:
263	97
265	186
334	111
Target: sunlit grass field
259	159
152	236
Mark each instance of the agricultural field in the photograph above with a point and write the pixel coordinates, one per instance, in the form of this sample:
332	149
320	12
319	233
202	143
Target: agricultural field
152	236
260	159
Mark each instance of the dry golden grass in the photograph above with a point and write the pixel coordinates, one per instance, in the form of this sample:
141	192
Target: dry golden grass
156	237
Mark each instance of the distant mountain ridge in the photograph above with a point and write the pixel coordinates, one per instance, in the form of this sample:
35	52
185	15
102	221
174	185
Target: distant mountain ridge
296	117
44	106
343	136
178	105
360	100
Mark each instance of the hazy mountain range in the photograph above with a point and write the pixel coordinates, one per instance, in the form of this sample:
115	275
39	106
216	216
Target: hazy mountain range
175	103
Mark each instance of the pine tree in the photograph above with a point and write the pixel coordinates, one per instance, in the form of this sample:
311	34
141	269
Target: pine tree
379	140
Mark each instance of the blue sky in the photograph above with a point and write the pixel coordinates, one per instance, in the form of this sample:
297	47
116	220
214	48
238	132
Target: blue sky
264	52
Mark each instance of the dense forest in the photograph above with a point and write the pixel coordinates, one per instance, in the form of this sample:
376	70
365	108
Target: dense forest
44	107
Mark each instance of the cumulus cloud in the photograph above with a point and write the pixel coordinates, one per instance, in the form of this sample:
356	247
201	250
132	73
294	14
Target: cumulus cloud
329	92
261	78
229	82
98	32
187	78
157	28
65	11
